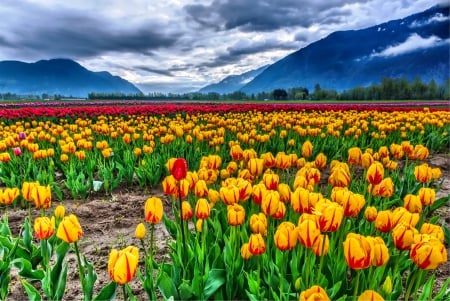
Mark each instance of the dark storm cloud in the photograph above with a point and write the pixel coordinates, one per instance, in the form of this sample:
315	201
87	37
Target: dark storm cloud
80	35
250	15
244	47
153	70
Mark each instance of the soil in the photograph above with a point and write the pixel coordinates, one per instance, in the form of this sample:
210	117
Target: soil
110	221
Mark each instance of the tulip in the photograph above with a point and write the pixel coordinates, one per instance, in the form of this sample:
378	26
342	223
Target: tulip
429	253
245	189
122	265
256	244
8	196
41	196
307	149
153	210
236	152
281	211
235	215
200	189
17	151
300	181
436	173
27	188
403	236
202	209
370	295
433	230
258	192
375	173
214	162
401	215
339	177
271	180
213	196
179	169
308	233
379	250
420	152
59	212
366	160
423	173
192	178
69	229
412	203
285	192
370	213
255	166
301	202
321	161
318	247
245	252
186	211
329	214
282	160
258	223
314	293
357	251
383	221
427	196
199	225
44	227
169	185
229	194
232	167
387	285
64	158
354	156
140	231
286	236
270	202
384	189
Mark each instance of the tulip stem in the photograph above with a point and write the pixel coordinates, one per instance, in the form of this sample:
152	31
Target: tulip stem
355	292
183	251
282	272
124	290
80	265
319	272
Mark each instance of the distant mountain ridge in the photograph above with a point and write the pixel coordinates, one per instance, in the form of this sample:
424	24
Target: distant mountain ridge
59	76
415	46
233	83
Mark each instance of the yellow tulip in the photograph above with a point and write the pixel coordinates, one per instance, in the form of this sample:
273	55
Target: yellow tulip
427	196
403	236
59	212
140	231
41	196
357	251
256	244
429	253
202	209
44	227
153	210
307	149
433	230
245	252
69	229
8	196
308	232
122	265
286	236
235	215
270	202
370	295
329	215
314	293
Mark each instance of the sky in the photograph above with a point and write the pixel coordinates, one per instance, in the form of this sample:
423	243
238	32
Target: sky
178	46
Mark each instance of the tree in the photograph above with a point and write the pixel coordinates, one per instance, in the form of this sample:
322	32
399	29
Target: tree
279	94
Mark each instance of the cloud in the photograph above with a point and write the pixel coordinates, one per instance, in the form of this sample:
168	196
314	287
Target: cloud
434	19
414	42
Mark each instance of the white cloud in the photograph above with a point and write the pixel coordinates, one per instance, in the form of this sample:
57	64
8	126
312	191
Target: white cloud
434	19
414	42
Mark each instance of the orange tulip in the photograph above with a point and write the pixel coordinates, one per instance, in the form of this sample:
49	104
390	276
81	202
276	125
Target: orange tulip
286	236
44	227
153	210
329	214
236	152
427	196
384	189
8	196
270	202
429	253
380	251
354	156
229	194
412	203
202	209
245	252
370	295
308	233
235	215
255	166
258	223
314	293
383	221
281	211
357	251
27	188
423	173
186	211
366	160
403	236
321	161
256	244
375	173
41	196
433	230
285	192
339	177
370	213
201	189
307	149
271	181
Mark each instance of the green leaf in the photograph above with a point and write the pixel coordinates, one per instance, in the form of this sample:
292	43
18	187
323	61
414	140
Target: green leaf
252	297
216	278
89	280
170	226
444	292
6	277
61	284
167	286
25	269
108	292
32	292
427	289
185	290
335	289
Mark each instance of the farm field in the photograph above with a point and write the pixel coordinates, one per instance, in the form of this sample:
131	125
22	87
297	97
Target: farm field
281	201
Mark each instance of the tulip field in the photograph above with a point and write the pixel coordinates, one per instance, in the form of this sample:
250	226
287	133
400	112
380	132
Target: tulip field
233	201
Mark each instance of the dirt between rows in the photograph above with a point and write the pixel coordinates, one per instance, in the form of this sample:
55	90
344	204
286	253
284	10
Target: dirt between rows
109	222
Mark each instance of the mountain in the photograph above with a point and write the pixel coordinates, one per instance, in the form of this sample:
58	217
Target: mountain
416	46
59	76
233	83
